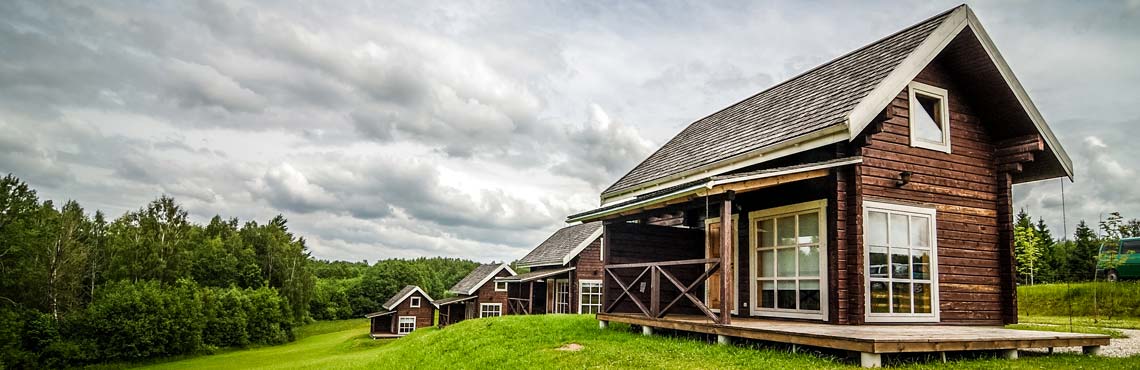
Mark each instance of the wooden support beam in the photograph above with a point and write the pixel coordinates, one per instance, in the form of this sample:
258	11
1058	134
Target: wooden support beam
726	235
530	302
655	291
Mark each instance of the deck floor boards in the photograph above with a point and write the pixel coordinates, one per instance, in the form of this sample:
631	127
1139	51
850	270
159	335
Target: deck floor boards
870	338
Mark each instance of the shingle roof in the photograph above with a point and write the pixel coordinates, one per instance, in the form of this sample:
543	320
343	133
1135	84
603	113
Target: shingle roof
400	295
557	247
403	294
478	277
447	301
817	99
535	275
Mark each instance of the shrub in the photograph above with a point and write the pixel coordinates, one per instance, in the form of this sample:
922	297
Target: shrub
146	319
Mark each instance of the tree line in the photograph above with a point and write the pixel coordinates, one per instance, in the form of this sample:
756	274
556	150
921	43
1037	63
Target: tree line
1042	258
78	288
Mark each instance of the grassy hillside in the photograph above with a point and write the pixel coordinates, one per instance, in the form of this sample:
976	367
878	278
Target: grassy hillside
1102	299
532	342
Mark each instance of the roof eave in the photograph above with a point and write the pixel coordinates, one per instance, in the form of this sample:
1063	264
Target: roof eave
812	140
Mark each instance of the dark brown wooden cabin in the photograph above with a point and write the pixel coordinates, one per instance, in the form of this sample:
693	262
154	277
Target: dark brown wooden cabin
476	295
411	308
565	274
872	190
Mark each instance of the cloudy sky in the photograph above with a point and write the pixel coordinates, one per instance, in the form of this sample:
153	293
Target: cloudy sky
402	129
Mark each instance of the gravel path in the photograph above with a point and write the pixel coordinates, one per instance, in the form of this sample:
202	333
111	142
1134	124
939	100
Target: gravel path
1118	347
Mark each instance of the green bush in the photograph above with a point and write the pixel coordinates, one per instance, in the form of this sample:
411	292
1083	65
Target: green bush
1102	299
269	319
227	322
146	319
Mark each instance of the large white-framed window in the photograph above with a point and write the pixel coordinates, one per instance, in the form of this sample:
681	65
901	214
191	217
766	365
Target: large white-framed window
562	296
589	296
490	309
788	260
713	231
414	302
900	247
929	117
406	325
500	286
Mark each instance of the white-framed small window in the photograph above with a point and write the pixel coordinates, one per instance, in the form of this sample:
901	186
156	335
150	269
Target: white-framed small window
490	309
415	302
589	296
406	325
929	117
900	247
500	286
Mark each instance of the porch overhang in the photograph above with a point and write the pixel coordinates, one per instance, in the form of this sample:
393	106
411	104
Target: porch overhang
739	183
534	275
378	314
453	300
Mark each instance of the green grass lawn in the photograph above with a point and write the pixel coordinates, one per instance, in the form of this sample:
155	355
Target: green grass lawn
532	342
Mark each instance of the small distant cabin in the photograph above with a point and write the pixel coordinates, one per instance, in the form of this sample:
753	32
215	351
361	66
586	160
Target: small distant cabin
476	295
411	308
565	274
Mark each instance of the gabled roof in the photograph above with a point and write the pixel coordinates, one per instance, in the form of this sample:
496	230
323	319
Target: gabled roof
830	103
534	275
479	276
404	294
563	245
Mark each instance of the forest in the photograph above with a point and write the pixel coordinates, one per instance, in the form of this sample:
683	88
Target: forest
78	288
1043	258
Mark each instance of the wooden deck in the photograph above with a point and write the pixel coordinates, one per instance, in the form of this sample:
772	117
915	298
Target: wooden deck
870	340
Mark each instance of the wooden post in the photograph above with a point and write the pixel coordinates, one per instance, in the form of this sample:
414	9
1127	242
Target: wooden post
655	291
726	267
530	302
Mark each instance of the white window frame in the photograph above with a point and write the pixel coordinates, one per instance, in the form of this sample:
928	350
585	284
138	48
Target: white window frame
935	310
918	88
484	312
400	325
754	272
735	260
503	289
582	294
414	302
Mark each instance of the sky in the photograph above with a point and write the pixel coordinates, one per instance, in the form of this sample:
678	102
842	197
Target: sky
400	129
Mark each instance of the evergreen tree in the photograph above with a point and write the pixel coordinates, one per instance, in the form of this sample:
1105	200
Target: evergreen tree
1081	262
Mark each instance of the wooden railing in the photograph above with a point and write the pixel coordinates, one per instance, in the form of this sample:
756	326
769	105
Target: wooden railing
655	271
518	306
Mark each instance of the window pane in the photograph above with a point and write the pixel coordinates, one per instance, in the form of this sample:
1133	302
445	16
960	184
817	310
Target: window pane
920	264
809	228
876	228
786	294
766	229
809	261
926	122
900	299
880	295
920	232
899	234
768	294
878	262
809	295
786	230
786	262
922	301
767	263
900	263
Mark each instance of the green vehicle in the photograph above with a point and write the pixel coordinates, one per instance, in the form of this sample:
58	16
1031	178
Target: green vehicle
1120	261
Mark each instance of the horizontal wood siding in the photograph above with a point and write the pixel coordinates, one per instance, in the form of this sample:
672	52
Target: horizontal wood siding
963	185
487	294
425	313
587	266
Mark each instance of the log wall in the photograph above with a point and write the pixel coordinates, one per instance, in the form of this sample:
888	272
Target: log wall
963	185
